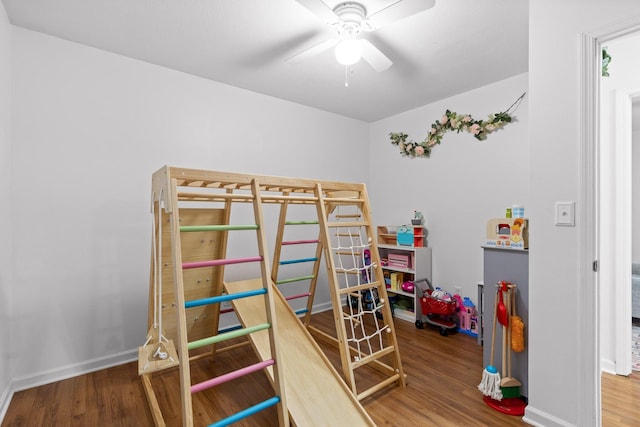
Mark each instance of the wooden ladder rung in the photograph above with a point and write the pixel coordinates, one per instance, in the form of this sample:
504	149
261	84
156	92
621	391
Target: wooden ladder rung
373	356
347	224
382	384
347	253
346	200
363	287
347	271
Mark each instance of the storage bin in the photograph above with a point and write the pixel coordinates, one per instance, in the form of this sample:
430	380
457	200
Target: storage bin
405	236
398	260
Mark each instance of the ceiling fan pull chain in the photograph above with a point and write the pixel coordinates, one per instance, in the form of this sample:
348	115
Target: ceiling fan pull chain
346	76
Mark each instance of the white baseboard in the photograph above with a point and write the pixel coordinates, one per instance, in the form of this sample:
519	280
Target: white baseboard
608	366
5	400
539	418
324	306
69	371
63	373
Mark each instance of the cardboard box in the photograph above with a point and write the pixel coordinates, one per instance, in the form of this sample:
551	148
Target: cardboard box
508	233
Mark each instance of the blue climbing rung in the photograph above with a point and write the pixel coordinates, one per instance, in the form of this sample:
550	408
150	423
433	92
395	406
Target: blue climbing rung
296	261
223	298
232	328
247	412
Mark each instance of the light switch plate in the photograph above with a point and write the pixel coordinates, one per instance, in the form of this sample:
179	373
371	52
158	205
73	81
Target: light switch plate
566	214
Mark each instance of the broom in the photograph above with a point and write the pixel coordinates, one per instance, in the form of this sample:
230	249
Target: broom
509	385
490	383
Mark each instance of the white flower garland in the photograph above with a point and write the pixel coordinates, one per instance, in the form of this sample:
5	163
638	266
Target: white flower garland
451	121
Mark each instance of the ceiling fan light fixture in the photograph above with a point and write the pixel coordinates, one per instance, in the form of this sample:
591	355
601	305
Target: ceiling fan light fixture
348	51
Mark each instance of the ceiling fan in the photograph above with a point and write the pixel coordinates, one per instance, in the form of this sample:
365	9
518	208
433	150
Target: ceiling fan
349	19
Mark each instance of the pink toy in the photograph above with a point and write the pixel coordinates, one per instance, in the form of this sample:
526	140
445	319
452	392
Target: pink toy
408	286
459	302
467	312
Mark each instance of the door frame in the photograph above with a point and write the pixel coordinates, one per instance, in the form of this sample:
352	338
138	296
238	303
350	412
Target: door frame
621	171
589	312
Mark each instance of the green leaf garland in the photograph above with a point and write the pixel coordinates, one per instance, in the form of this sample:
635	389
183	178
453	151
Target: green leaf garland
606	60
451	121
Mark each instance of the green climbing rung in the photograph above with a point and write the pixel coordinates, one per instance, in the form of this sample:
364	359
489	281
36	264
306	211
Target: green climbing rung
295	279
227	336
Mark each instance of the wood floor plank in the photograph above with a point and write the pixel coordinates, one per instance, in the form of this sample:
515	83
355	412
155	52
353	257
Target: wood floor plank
442	377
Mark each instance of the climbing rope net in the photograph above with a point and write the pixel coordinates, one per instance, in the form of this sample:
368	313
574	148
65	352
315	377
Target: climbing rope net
354	266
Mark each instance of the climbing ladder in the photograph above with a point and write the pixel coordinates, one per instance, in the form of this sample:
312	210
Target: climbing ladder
198	240
365	330
190	291
283	272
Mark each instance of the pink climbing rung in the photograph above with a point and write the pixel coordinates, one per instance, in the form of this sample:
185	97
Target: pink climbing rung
300	242
298	296
216	262
231	376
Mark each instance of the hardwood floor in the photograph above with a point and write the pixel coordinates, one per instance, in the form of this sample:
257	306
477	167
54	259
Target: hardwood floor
621	400
442	376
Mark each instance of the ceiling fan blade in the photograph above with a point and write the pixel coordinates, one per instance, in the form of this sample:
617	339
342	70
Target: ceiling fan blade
313	51
321	10
374	57
397	11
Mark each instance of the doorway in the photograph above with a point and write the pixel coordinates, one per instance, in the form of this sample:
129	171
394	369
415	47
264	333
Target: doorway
618	93
635	243
599	243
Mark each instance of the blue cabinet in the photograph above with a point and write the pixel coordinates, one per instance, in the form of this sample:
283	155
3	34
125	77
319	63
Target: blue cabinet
512	266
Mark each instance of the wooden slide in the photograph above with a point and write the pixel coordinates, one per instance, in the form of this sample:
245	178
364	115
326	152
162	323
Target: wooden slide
316	395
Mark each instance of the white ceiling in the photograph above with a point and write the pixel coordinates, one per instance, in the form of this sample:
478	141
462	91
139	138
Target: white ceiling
451	48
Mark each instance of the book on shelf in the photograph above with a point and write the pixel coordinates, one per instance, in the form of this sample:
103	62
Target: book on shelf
397	279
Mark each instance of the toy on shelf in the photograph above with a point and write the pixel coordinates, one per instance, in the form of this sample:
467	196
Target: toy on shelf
408	286
402	235
508	233
418	218
410	235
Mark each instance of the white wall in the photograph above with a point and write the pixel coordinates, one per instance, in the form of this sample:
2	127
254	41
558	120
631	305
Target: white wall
81	246
555	111
90	128
5	205
461	186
